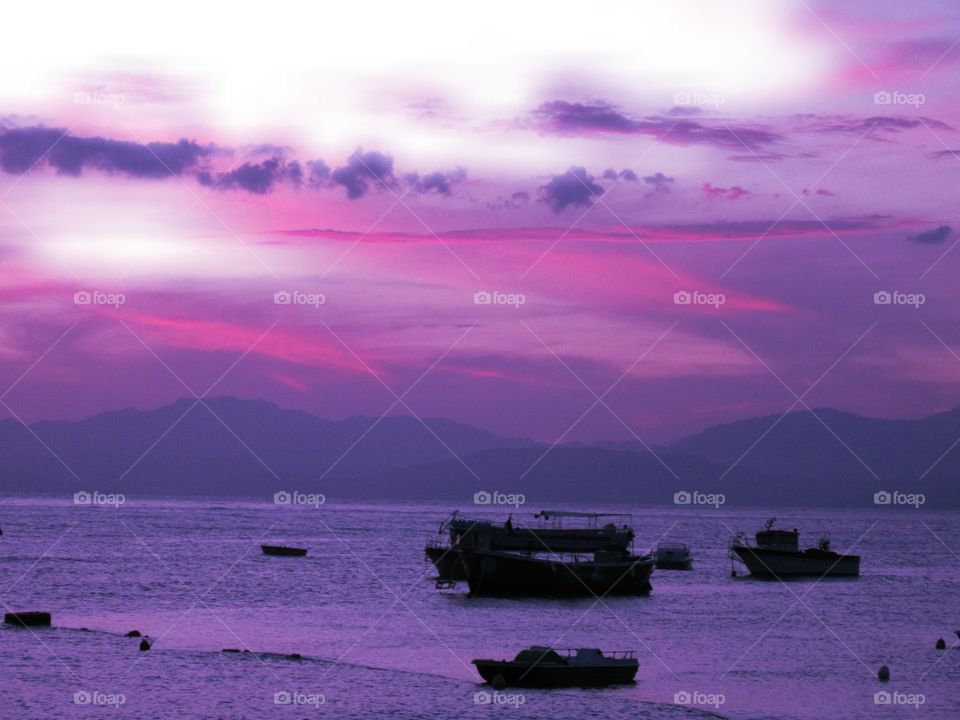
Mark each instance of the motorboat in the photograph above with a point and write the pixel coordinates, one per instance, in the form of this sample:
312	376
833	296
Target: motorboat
777	554
673	556
283	550
540	666
606	572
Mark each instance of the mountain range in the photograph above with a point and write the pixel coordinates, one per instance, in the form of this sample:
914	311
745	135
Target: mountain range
252	448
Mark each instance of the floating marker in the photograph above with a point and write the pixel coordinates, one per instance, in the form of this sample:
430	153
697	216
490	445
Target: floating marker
941	644
144	646
884	673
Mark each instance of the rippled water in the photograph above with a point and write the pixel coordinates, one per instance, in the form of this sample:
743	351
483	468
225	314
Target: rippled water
378	639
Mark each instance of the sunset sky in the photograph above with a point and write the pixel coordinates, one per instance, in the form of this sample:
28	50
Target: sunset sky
163	192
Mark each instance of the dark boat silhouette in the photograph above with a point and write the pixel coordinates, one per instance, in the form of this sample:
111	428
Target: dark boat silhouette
544	667
673	556
553	532
283	550
608	572
777	554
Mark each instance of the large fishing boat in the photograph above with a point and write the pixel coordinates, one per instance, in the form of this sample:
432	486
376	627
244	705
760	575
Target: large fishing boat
555	531
777	554
606	572
545	667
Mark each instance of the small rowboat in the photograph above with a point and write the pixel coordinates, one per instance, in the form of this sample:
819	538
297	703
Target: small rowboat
283	550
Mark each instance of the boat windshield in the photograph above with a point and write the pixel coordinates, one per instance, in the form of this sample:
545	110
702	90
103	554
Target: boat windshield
538	654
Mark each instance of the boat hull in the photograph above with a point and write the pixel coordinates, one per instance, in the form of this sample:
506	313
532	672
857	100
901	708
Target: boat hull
765	562
447	562
675	564
281	550
505	574
517	674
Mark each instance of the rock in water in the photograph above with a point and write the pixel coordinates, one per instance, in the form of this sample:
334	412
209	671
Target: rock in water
133	633
27	619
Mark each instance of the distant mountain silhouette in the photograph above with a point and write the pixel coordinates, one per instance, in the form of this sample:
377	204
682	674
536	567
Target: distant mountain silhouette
254	448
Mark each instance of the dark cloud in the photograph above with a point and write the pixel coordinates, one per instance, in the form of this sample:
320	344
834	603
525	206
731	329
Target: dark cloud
877	123
318	173
943	154
932	237
362	170
566	118
257	178
733	192
440	183
625	174
659	182
23	148
574	187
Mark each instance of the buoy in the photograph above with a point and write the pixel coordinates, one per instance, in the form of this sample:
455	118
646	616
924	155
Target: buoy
133	633
499	683
941	644
294	656
144	646
733	573
884	673
27	619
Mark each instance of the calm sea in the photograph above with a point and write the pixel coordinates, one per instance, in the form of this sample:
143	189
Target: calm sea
376	639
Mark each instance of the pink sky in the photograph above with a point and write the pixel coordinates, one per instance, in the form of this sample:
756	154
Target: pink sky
776	164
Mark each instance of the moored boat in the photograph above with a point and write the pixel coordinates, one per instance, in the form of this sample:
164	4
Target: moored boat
777	554
608	572
544	667
283	550
673	556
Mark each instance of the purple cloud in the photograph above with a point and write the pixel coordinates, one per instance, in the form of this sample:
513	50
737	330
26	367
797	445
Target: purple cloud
23	148
257	178
659	182
566	118
932	237
361	170
574	187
